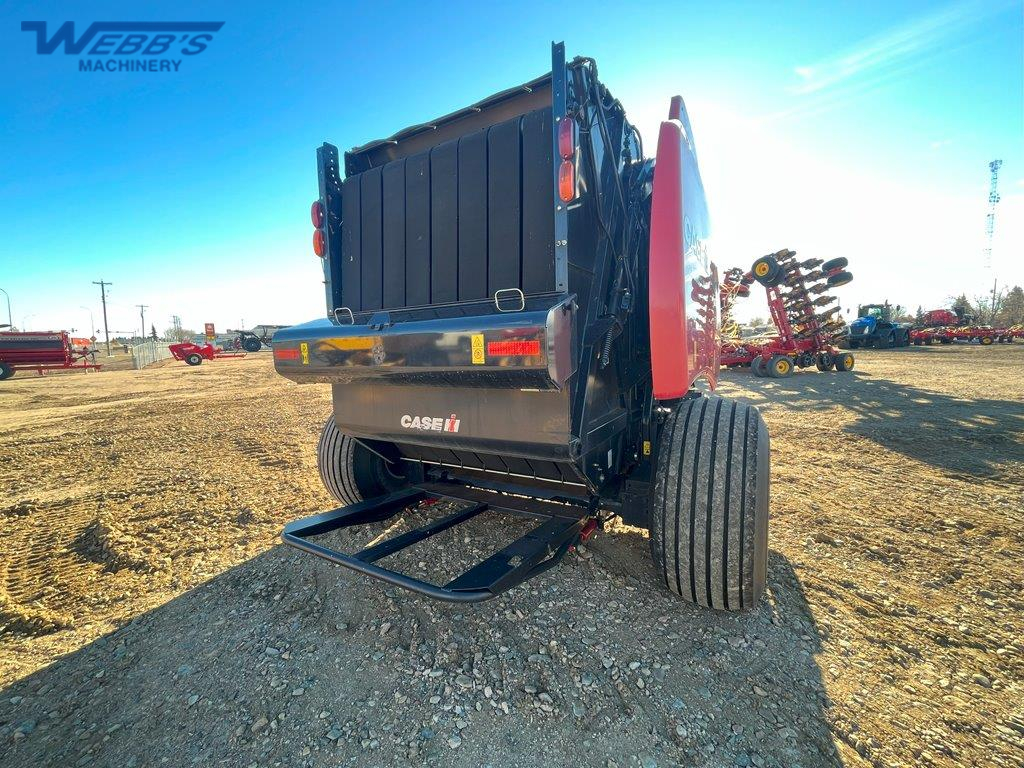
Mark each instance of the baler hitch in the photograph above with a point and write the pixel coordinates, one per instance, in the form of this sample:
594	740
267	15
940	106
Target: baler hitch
563	526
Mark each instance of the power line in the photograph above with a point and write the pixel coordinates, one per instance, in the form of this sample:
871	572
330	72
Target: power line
103	297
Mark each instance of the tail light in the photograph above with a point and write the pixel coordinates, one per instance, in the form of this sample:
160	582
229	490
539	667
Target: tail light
567	138
567	181
567	150
318	243
316	213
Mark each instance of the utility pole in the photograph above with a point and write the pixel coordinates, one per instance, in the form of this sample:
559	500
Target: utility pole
103	297
142	316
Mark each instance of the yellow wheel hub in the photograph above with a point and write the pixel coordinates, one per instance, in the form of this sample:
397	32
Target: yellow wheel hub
761	268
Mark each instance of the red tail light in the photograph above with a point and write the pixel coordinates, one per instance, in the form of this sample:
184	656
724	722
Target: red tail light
567	181
514	348
316	213
567	138
318	242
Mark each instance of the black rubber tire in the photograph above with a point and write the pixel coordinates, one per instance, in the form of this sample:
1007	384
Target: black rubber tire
839	278
194	359
350	472
780	367
757	367
840	263
824	361
986	340
767	271
5	371
252	345
844	362
709	508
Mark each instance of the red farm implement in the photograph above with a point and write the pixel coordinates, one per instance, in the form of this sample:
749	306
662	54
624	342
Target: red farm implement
193	354
44	351
803	313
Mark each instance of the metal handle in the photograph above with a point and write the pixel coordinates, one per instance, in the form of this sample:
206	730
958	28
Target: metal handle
514	292
351	317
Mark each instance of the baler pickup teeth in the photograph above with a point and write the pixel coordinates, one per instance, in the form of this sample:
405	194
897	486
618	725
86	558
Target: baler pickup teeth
526	557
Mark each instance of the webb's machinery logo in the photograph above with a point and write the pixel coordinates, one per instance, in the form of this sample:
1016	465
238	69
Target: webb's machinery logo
127	46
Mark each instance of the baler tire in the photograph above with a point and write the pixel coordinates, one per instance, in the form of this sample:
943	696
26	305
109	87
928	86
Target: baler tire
709	507
757	367
767	271
194	359
350	472
5	371
844	362
780	367
840	263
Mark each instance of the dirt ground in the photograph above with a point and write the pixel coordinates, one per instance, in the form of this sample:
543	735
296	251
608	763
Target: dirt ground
149	616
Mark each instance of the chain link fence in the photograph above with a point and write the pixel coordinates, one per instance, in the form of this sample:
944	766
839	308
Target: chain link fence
149	352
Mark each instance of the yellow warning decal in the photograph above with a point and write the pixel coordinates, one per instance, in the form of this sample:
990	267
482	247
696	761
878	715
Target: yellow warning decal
647	447
478	348
349	343
304	351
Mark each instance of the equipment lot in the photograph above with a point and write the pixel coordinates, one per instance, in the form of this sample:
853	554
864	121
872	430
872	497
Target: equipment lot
149	617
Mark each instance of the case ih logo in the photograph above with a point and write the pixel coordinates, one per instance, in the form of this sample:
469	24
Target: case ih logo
152	45
434	423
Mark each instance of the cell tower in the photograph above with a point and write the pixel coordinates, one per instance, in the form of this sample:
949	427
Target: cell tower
990	219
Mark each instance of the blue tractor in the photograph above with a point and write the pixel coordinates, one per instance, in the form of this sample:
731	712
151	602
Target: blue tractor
874	327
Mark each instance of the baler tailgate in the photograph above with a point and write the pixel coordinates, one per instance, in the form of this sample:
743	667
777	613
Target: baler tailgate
538	550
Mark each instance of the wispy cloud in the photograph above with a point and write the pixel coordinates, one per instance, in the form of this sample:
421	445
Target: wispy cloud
939	144
894	49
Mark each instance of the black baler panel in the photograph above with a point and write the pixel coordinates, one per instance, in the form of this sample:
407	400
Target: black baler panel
538	208
473	216
371	247
350	245
504	222
417	230
444	223
394	234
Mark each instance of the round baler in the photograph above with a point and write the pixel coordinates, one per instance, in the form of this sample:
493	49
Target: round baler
523	316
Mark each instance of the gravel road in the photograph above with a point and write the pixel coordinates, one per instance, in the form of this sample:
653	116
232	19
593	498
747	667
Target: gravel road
149	618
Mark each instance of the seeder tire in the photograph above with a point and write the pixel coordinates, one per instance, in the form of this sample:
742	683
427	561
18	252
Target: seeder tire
838	279
194	359
252	345
350	472
986	340
780	367
757	367
767	271
844	362
840	263
823	361
709	508
5	371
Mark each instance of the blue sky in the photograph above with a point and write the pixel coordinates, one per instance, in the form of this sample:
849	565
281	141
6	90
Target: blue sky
857	129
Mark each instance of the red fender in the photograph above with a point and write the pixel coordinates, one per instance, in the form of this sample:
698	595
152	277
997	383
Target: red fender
683	283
